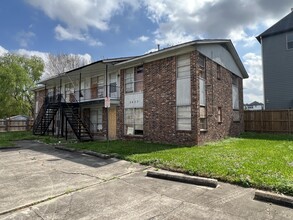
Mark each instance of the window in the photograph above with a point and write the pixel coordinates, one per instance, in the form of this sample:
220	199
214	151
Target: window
100	120
220	116
235	93
202	93
101	86
184	118
134	80
133	120
202	66
290	41
203	118
235	98
113	85
218	72
183	93
69	93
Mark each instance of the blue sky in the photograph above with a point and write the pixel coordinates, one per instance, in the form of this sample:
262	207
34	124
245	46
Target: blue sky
97	29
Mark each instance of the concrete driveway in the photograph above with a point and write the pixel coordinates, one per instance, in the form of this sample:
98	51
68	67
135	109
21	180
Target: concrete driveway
40	182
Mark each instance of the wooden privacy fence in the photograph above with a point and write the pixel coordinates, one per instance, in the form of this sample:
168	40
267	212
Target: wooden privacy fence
275	121
15	125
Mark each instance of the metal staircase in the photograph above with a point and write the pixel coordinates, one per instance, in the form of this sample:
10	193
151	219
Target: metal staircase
70	111
45	117
79	128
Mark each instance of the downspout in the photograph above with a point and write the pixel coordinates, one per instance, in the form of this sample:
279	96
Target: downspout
107	117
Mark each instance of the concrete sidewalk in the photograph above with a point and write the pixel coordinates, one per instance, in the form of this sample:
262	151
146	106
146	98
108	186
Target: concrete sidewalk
40	182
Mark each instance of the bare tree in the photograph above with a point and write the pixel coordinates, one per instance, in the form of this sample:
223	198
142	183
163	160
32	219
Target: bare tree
61	63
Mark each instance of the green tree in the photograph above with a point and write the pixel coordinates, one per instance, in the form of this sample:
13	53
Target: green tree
18	75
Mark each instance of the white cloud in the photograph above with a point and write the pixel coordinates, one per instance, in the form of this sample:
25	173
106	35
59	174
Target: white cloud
253	86
142	38
65	34
192	19
25	38
79	16
3	51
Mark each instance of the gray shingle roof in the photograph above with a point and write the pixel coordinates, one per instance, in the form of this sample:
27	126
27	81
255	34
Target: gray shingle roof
284	25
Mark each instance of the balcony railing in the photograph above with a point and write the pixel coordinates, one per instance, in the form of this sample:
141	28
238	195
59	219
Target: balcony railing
97	93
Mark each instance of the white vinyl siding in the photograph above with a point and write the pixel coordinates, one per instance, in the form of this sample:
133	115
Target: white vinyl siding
183	93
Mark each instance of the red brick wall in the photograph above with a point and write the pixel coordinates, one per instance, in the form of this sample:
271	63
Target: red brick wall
160	104
219	94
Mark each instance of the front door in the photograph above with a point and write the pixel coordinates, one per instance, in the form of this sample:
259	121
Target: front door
112	123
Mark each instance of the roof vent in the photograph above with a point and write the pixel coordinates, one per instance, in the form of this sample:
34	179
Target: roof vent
291	9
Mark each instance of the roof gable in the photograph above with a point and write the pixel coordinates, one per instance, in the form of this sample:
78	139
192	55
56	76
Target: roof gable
187	47
284	25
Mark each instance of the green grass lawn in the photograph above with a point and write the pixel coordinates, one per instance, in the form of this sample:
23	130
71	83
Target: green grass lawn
254	160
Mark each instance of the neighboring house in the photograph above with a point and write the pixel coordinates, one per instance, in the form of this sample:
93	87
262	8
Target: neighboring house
185	94
277	56
254	106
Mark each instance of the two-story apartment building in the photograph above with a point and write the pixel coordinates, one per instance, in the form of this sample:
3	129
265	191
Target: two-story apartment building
73	102
185	94
277	56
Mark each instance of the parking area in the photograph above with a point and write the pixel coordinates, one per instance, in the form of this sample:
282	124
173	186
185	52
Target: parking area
40	182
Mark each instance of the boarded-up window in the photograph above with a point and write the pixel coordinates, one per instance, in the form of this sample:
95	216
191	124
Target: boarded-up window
202	92
183	93
184	118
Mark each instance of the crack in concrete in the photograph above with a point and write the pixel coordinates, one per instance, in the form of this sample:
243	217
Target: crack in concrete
80	173
69	208
39	215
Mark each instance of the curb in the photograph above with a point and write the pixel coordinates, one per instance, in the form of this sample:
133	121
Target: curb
183	178
100	155
65	148
274	198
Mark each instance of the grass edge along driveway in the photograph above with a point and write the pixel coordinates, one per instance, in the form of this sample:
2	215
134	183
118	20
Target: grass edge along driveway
263	161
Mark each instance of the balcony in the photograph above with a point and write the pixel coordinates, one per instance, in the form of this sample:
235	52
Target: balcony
91	94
